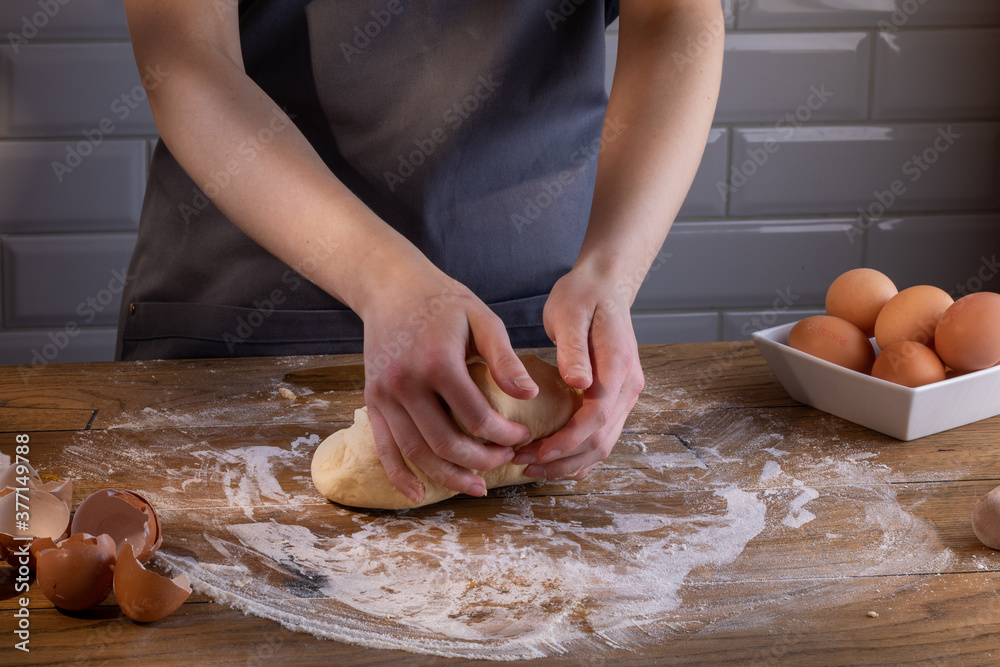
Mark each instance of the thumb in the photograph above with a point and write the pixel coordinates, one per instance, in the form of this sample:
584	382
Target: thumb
569	329
491	342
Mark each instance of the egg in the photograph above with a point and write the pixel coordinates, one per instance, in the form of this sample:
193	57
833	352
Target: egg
968	334
125	516
143	595
78	572
912	314
858	296
835	340
909	364
986	519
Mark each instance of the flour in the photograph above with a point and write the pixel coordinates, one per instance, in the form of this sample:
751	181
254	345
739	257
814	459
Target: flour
771	469
546	570
797	515
547	585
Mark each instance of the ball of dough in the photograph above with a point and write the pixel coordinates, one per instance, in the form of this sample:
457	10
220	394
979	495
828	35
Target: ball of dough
346	468
986	519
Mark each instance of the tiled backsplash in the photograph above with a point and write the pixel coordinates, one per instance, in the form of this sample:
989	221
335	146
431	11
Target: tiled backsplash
844	137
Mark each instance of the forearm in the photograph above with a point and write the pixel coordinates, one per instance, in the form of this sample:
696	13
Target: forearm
658	118
263	174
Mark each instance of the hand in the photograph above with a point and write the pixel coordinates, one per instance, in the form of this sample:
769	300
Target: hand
596	350
417	341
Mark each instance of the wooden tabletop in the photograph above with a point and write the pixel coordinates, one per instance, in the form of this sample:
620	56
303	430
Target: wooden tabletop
730	525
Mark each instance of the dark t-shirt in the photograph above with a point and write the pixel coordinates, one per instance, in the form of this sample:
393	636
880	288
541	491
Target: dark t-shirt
472	127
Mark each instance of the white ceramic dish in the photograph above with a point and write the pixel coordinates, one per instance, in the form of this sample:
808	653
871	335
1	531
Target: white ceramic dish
902	412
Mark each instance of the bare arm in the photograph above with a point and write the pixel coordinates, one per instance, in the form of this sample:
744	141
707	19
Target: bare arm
216	120
206	108
660	111
665	89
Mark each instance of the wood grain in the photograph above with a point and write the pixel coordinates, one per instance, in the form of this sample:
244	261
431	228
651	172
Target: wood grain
712	417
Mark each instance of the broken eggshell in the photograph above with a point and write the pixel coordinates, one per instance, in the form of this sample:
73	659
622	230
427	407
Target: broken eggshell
127	517
47	516
12	476
143	595
78	572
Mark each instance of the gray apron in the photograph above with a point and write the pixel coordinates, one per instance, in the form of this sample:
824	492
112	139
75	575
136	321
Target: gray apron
471	127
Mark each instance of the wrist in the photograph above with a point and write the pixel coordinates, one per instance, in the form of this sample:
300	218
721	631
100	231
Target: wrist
616	277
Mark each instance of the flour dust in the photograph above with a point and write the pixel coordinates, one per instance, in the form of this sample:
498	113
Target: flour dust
607	567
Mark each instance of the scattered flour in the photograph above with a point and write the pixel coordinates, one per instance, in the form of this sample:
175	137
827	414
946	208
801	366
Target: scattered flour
561	572
425	584
771	469
798	516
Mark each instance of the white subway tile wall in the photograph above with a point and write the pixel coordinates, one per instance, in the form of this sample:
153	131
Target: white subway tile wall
863	133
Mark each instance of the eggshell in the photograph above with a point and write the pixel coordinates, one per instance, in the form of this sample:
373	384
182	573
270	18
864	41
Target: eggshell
986	519
125	516
968	334
858	296
48	517
909	364
143	595
13	475
10	474
835	340
79	572
912	314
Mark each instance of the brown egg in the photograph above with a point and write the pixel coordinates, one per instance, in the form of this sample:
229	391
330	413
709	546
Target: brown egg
986	519
835	340
909	364
78	573
858	296
143	595
125	516
913	315
968	334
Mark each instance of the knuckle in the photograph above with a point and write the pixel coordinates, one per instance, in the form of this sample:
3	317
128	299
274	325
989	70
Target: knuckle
444	446
577	345
493	320
373	394
479	424
603	417
604	449
392	380
623	359
450	478
508	363
399	477
411	449
638	383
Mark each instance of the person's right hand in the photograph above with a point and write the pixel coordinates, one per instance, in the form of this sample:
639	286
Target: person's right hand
419	333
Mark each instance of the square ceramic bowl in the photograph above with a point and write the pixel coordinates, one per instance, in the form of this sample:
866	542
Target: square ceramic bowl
902	412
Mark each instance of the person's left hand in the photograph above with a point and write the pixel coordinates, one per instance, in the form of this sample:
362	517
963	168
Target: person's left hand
588	320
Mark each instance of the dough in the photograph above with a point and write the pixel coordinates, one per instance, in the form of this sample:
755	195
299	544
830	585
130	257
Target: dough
346	468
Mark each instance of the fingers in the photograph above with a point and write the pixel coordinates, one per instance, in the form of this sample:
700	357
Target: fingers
473	411
589	436
406	440
437	430
392	460
491	341
601	404
596	448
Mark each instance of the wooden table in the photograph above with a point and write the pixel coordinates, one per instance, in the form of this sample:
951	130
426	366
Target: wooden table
794	537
